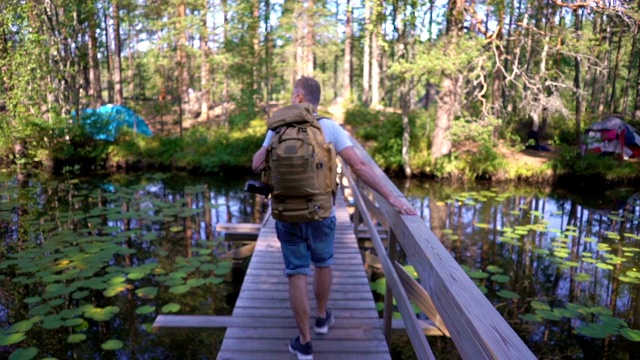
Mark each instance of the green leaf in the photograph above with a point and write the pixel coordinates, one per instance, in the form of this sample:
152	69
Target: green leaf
147	292
11	339
478	275
180	289
20	327
112	345
146	309
631	334
76	338
170	308
508	294
500	278
24	354
539	305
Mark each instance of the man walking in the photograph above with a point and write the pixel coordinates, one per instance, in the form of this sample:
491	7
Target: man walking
309	242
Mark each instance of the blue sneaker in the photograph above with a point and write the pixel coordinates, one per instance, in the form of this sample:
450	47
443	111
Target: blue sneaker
322	325
302	351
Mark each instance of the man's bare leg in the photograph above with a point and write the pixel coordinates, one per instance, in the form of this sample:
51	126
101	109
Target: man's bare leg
322	288
299	299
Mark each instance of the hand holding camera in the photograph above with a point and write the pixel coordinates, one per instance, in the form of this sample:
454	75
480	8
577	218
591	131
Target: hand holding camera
257	187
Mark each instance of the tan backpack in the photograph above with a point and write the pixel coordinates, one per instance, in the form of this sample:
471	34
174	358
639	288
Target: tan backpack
301	166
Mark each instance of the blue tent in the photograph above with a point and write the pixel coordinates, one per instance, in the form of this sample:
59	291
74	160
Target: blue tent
105	122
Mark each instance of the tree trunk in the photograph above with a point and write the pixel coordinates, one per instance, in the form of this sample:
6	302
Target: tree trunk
107	42
447	100
225	85
300	55
633	64
95	87
449	86
366	57
255	34
498	75
375	55
309	39
577	81
117	55
132	67
181	63
614	76
205	91
267	54
346	74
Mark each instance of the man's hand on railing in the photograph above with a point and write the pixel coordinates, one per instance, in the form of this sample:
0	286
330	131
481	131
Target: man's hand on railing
403	206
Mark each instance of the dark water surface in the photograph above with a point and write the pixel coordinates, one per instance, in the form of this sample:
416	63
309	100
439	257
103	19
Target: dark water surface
86	264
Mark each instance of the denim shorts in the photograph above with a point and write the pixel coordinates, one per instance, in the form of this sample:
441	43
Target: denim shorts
306	243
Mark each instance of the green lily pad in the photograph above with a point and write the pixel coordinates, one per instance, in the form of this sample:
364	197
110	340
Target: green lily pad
549	314
495	269
147	292
591	330
195	282
112	345
145	309
507	294
214	280
630	334
32	300
11	339
79	294
500	278
20	327
539	305
478	275
170	308
73	322
76	338
24	354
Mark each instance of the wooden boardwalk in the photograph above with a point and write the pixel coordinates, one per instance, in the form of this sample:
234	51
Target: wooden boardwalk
267	323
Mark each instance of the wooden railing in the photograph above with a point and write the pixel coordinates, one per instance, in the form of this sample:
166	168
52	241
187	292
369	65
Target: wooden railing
446	294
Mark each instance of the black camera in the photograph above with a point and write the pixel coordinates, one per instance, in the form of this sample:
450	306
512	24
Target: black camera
257	187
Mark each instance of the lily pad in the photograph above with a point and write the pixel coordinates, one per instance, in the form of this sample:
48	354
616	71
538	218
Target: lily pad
147	292
20	327
112	345
76	338
11	339
507	294
145	309
24	354
630	334
170	308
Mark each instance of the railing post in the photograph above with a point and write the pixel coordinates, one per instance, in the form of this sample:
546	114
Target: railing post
388	293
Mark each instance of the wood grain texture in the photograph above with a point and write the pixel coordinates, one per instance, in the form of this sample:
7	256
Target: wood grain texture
266	323
476	327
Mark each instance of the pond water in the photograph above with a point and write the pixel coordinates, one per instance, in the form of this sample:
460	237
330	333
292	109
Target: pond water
87	264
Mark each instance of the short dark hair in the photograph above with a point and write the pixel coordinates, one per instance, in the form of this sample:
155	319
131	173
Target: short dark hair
310	88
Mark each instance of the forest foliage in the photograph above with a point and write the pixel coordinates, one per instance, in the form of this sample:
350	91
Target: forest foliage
416	78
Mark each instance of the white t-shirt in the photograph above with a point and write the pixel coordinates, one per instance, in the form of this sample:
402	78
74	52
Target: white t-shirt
333	133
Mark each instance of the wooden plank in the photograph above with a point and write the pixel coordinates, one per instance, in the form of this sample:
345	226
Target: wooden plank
476	327
286	312
284	354
335	333
267	323
319	345
284	286
262	295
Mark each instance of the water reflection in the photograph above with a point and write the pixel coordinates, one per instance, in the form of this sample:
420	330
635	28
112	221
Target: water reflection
86	264
562	270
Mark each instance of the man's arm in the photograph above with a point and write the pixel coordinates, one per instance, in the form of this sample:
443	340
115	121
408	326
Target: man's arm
259	158
364	172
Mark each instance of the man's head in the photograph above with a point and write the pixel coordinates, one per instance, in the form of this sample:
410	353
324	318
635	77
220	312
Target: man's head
306	89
